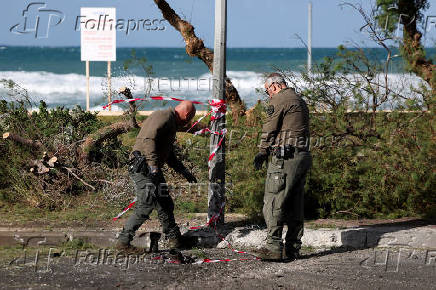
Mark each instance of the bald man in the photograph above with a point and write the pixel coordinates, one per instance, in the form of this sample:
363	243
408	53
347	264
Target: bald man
153	148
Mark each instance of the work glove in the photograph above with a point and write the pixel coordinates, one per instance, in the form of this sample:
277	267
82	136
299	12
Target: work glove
153	174
189	176
259	159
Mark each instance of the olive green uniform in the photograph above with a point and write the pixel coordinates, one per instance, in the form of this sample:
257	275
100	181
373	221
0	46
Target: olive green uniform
154	141
287	124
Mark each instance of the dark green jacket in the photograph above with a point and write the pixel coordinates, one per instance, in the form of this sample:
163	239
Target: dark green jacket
287	121
156	137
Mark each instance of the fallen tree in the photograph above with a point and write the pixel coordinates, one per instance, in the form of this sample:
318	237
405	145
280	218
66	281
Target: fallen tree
109	132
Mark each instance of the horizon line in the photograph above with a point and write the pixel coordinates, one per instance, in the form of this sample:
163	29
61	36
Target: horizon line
183	47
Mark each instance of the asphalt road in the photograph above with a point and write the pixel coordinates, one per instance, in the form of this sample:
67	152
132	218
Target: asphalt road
361	269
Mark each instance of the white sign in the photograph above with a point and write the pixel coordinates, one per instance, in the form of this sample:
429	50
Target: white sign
98	34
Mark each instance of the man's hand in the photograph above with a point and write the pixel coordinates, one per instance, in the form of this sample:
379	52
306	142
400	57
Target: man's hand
189	176
153	173
259	159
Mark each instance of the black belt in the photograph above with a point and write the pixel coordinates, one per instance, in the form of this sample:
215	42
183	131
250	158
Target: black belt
287	151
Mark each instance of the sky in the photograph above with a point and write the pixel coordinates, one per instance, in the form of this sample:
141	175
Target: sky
251	23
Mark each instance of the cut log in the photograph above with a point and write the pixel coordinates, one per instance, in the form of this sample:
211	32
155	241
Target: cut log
38	167
23	141
52	161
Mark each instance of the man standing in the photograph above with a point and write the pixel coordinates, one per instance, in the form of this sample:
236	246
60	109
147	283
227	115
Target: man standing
154	147
285	136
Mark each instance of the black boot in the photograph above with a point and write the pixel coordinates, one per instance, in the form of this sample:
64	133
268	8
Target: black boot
290	255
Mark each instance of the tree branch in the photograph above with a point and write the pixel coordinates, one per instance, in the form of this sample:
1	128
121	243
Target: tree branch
195	47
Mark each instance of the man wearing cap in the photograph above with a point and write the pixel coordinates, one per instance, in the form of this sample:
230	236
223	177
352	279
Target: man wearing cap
285	136
153	148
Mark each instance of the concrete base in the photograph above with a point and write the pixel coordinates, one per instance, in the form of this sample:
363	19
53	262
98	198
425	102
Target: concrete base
422	237
148	241
354	238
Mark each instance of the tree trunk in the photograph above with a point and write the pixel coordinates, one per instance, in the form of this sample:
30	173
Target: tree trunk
111	131
195	47
103	134
413	50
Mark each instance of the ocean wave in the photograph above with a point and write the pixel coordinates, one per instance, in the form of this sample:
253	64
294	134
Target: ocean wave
70	89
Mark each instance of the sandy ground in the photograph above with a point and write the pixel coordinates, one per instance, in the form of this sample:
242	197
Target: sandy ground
335	269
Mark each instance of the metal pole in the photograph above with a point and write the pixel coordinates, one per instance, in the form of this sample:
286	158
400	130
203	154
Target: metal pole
216	192
109	85
309	40
87	85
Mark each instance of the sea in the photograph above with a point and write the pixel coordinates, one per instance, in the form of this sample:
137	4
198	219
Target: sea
57	75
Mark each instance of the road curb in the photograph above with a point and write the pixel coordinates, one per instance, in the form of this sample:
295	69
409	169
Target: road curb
355	238
422	237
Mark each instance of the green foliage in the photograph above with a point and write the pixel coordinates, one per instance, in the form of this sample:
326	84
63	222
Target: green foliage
140	62
383	173
389	12
61	131
190	206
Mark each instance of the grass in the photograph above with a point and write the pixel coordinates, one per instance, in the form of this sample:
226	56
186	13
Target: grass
80	215
308	249
190	207
314	226
19	256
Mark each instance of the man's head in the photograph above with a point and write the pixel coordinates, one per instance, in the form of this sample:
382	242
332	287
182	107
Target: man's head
185	111
274	83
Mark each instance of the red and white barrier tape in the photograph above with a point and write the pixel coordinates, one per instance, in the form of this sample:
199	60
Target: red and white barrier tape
224	260
157	98
162	98
212	222
212	155
219	107
198	121
206	260
218	110
125	210
202	131
122	101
